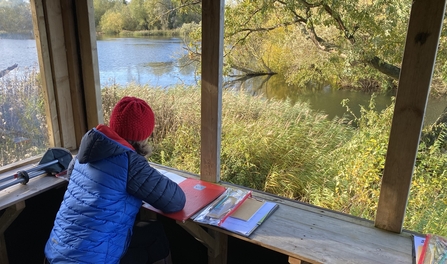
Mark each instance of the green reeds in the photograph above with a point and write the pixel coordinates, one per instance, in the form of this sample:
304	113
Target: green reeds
273	146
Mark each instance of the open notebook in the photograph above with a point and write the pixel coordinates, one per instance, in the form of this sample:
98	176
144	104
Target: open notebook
198	195
243	214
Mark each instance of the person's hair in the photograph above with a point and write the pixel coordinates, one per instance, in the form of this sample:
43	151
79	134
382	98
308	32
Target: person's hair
142	147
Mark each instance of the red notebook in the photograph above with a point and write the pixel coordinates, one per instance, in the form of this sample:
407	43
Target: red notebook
198	195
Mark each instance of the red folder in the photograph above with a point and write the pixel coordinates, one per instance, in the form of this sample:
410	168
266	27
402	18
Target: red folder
198	195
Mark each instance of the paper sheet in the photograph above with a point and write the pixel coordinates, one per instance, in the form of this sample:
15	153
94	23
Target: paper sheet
174	177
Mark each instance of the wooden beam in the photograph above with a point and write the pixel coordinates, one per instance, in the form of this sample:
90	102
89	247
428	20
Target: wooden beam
220	253
414	86
211	105
89	59
43	53
74	69
59	66
294	261
201	235
215	241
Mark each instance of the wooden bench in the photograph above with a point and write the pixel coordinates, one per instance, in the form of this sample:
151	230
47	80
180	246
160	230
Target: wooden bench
309	234
305	233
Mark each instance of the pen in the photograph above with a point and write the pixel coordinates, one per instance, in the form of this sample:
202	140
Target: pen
221	201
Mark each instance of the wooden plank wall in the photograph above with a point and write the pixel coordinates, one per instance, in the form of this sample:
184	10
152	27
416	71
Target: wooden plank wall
414	86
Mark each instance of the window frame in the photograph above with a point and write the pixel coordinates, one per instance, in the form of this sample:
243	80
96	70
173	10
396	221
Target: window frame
66	41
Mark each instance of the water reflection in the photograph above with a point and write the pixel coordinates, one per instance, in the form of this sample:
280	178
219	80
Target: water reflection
155	61
326	99
163	62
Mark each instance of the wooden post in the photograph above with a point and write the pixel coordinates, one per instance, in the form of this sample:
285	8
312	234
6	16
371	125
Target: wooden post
74	69
219	254
59	68
44	54
89	58
211	106
414	86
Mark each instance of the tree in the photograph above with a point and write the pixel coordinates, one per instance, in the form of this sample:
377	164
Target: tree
139	14
15	17
319	40
170	14
112	22
101	7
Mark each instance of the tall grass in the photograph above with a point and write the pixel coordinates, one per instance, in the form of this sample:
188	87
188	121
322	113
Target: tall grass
353	178
289	150
23	129
266	145
274	146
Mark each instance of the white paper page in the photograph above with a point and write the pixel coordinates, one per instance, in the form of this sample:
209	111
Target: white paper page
174	177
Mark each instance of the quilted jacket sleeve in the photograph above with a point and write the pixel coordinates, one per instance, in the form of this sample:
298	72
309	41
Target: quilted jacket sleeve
151	186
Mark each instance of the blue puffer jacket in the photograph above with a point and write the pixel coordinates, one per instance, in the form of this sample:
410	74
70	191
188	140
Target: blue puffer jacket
105	192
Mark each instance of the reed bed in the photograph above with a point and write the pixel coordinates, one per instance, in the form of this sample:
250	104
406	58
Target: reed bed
23	127
278	147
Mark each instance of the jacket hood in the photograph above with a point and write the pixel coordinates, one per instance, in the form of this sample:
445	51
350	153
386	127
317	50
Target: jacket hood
95	145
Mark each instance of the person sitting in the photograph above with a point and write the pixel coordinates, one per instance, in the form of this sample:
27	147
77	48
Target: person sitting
109	178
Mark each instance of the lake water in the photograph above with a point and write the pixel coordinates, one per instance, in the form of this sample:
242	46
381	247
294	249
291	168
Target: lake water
159	62
163	62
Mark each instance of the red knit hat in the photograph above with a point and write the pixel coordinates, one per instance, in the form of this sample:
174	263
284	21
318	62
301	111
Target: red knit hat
132	119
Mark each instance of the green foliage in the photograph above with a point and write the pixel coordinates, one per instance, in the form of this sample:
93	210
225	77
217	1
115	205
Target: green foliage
275	146
352	179
112	22
15	17
427	206
256	137
145	33
139	15
358	44
101	7
289	150
114	16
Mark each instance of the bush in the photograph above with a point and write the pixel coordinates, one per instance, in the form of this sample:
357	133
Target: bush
352	179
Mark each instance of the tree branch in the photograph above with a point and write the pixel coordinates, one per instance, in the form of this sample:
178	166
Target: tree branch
249	72
384	67
7	70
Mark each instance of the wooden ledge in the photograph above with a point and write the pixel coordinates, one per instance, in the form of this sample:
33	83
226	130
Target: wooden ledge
21	192
311	234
